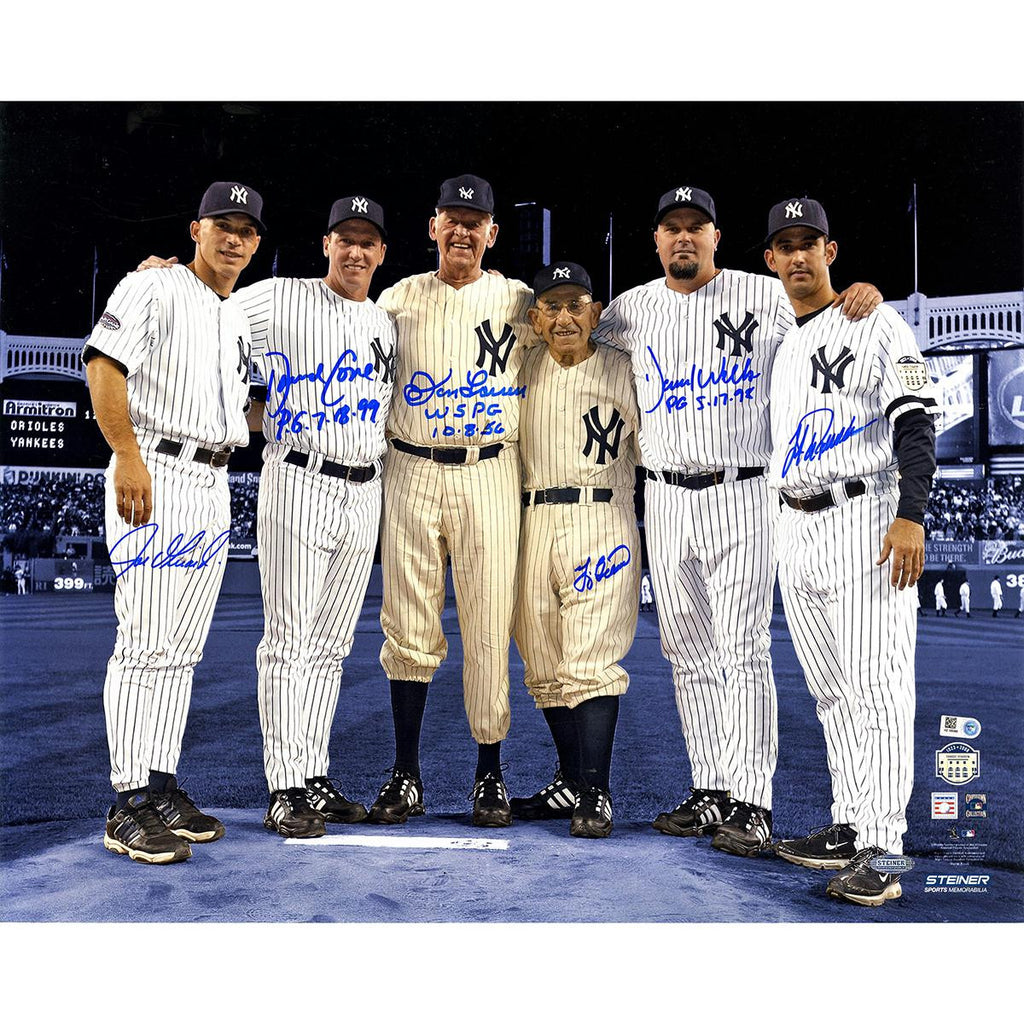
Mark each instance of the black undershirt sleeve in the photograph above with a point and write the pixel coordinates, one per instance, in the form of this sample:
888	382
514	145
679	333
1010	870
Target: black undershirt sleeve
914	444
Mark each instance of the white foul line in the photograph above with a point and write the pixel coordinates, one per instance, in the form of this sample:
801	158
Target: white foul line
404	843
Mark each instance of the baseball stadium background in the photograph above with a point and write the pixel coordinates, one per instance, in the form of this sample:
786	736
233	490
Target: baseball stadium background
95	196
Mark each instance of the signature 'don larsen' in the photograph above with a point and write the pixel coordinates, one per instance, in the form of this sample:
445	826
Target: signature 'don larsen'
179	553
606	566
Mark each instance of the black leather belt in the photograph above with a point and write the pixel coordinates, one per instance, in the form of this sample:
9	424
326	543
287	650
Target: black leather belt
449	456
563	496
698	481
205	455
818	502
357	474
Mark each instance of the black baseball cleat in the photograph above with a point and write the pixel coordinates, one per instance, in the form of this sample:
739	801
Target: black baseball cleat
326	799
860	883
139	831
184	819
400	798
556	800
830	847
490	802
290	815
592	818
746	831
699	814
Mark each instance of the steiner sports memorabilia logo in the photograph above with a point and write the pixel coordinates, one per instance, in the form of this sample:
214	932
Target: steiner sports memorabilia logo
956	883
889	864
944	805
951	725
957	763
975	805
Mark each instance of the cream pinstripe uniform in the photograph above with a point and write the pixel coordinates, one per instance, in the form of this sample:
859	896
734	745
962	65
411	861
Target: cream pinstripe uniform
459	353
839	389
317	532
576	610
186	352
702	366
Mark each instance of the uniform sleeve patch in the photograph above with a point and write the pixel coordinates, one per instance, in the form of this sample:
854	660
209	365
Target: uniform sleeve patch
912	373
110	321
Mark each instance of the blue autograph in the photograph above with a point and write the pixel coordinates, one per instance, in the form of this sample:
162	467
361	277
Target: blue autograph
605	568
698	379
422	388
806	449
280	381
179	553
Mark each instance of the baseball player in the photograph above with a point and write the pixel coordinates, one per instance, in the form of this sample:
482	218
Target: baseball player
996	590
965	599
168	371
702	342
20	576
646	593
325	354
1020	602
451	490
579	562
940	599
851	403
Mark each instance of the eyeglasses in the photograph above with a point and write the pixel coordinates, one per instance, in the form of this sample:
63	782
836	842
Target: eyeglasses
574	307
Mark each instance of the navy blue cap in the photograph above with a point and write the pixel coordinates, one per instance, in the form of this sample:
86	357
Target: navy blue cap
555	274
467	190
357	207
232	197
796	213
686	195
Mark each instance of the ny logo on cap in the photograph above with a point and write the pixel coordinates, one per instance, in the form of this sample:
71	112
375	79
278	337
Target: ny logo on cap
560	272
683	195
465	193
359	205
794	209
239	194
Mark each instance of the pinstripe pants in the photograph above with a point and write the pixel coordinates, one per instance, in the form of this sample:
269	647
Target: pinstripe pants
163	616
572	636
317	536
712	565
469	513
855	635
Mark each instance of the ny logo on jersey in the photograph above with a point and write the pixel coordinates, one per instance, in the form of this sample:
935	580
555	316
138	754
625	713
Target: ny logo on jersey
794	209
831	372
560	272
465	193
498	349
740	335
383	362
683	195
605	435
359	204
239	195
244	355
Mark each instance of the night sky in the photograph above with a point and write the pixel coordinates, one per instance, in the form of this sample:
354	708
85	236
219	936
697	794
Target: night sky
127	178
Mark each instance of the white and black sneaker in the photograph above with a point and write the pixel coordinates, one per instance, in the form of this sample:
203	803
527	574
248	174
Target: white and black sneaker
592	818
699	814
746	831
556	800
290	815
137	830
830	847
490	802
400	798
860	883
325	798
184	819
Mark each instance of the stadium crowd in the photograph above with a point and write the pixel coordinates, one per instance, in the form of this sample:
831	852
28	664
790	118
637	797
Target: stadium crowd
960	511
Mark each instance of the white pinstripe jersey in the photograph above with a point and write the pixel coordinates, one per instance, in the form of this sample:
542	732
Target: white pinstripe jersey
578	426
343	356
702	365
186	350
839	388
459	353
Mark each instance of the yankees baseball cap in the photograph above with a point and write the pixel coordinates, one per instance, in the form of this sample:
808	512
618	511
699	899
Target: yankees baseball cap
796	213
686	195
466	190
232	197
357	207
555	274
